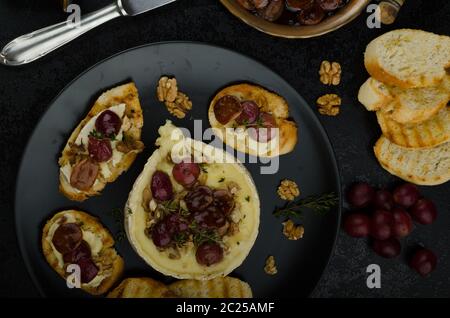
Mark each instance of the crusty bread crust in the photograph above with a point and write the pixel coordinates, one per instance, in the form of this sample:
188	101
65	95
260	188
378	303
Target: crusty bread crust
372	97
96	227
128	95
142	287
220	287
430	133
268	102
420	166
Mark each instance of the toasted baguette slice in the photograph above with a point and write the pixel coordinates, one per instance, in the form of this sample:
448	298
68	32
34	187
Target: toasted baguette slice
104	255
408	58
141	288
109	171
430	133
221	287
416	105
429	166
268	102
374	95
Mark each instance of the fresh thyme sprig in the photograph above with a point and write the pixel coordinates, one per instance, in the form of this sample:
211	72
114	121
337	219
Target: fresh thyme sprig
320	204
200	236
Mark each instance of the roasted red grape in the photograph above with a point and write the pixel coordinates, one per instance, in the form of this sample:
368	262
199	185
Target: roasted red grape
199	198
357	225
311	16
108	123
402	223
226	108
88	270
186	173
387	248
264	130
424	211
84	174
209	253
249	114
383	200
100	149
406	195
211	218
161	186
161	235
381	224
82	251
360	195
67	237
423	261
175	223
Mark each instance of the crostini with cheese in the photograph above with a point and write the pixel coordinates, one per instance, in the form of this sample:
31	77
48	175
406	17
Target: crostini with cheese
103	145
75	237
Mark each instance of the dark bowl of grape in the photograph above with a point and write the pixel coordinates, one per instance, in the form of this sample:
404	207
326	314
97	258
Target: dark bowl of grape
296	18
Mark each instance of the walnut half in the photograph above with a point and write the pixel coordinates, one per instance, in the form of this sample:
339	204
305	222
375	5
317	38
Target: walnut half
177	103
293	232
329	104
288	190
330	73
270	268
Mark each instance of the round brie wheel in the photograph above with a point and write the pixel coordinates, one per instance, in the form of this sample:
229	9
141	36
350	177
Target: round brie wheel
238	244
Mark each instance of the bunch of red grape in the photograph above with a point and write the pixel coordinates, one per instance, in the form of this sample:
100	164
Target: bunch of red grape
388	217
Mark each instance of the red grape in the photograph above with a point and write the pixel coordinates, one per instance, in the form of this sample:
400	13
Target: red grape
224	201
82	251
357	225
406	195
186	173
402	223
226	108
264	130
161	186
88	270
423	261
249	114
209	253
381	225
360	195
100	149
108	123
161	235
67	237
424	211
199	198
387	248
383	200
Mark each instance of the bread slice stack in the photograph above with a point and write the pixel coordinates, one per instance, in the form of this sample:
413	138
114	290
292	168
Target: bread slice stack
409	89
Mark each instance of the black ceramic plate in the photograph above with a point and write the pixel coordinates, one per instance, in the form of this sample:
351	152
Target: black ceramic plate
201	70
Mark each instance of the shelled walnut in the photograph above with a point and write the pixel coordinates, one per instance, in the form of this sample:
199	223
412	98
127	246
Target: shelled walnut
330	73
293	232
329	104
270	268
288	190
177	103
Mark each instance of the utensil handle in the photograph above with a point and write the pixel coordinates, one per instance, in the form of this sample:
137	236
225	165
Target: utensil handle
33	46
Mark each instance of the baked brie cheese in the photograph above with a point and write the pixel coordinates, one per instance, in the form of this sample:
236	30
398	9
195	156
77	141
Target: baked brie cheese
193	212
253	120
103	145
76	238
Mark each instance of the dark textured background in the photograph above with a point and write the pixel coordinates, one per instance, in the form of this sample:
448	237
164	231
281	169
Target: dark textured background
26	92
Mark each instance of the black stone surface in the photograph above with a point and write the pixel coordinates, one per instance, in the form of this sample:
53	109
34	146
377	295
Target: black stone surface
26	92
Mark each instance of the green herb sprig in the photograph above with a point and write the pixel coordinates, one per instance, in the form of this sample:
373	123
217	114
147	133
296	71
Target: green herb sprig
319	204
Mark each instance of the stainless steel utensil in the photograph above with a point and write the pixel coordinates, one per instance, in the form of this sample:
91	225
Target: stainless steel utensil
32	46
